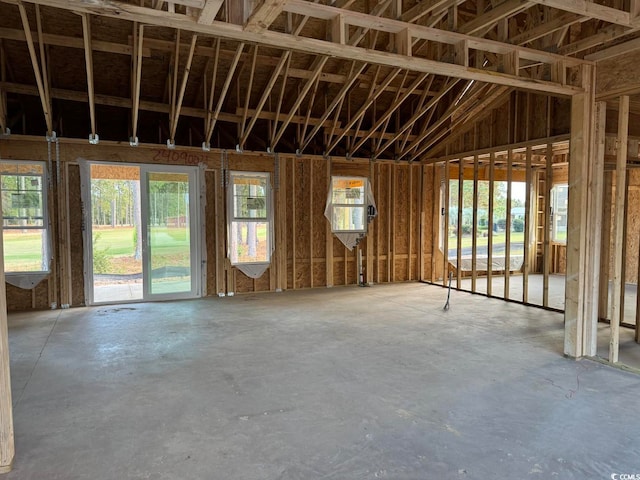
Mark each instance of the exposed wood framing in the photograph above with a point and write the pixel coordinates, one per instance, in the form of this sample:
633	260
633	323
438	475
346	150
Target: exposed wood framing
7	446
41	78
617	299
223	94
137	82
507	229
185	78
474	227
88	55
546	255
528	205
492	167
322	47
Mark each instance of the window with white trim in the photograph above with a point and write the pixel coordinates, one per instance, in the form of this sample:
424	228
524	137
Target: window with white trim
250	218
24	217
348	204
559	206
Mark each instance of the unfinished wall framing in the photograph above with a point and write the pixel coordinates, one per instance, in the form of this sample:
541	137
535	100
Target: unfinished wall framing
306	255
487	250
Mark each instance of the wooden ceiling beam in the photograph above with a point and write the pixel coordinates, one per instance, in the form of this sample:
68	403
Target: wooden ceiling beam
548	27
209	11
604	35
590	9
264	15
125	11
428	7
72	42
479	24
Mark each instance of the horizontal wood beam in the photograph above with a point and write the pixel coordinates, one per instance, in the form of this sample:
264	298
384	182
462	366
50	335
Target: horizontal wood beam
134	13
590	9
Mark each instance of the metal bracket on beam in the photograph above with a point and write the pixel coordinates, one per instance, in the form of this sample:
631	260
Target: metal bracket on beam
6	133
94	139
133	141
52	137
171	144
206	147
238	149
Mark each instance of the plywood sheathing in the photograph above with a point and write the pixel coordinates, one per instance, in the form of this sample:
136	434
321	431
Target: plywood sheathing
75	236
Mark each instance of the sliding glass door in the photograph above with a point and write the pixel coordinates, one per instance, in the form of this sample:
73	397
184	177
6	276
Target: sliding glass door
142	243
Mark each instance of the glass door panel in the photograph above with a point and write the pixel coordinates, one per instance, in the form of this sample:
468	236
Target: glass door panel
170	252
115	233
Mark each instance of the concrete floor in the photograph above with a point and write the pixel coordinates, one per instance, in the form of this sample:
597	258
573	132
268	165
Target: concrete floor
342	383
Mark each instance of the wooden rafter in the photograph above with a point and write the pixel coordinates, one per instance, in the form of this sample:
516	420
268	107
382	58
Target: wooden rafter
248	96
264	15
481	23
114	8
548	27
337	100
375	93
185	78
399	100
319	65
590	9
3	94
137	84
419	146
417	115
88	57
40	80
209	11
223	93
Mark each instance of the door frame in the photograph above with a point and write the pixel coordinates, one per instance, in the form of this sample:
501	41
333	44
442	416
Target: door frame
195	225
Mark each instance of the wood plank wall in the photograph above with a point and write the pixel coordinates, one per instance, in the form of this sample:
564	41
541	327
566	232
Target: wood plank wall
398	246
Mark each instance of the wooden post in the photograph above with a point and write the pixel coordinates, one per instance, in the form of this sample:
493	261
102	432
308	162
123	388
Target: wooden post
507	236
7	447
578	228
445	230
492	160
594	241
605	251
619	224
329	235
527	229
474	230
435	222
410	224
546	256
370	236
423	216
459	224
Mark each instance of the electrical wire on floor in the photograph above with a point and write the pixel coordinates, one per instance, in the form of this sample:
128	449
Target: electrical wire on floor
446	305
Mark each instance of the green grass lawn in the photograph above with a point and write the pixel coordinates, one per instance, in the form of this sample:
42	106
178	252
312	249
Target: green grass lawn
22	251
467	240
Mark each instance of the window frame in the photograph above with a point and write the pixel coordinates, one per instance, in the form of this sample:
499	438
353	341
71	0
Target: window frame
45	215
233	218
363	206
